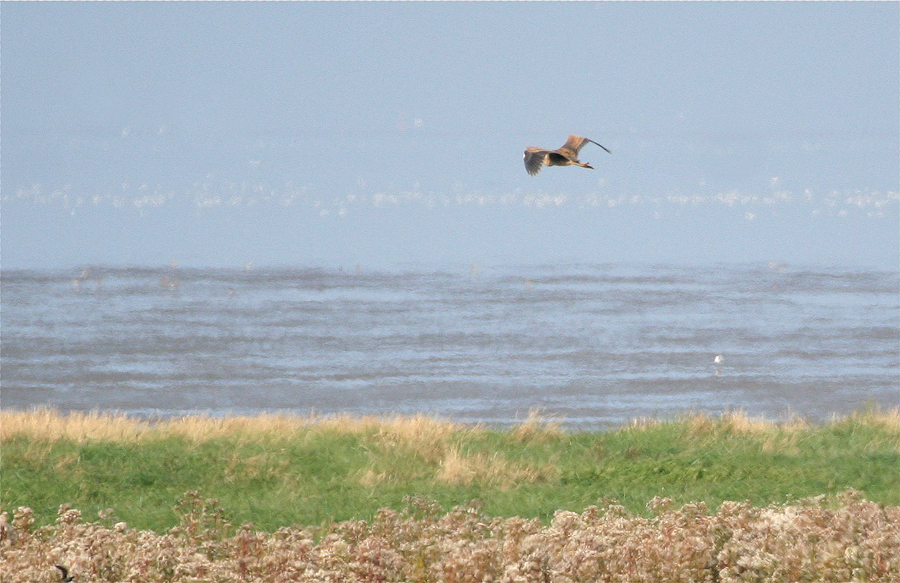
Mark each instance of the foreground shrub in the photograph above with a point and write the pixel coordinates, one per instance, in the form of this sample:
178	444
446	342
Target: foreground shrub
850	539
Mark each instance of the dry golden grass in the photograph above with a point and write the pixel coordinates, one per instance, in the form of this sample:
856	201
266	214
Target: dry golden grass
641	423
440	451
537	428
491	470
51	425
739	423
849	539
267	426
427	436
889	420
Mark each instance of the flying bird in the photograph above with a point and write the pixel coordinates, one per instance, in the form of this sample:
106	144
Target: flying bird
567	155
65	574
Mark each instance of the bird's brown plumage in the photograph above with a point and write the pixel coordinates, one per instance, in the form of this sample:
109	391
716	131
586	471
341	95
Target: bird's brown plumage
567	155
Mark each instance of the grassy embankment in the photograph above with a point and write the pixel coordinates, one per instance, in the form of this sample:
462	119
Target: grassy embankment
276	471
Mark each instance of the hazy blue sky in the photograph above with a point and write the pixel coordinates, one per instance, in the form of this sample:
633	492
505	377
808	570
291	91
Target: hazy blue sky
331	134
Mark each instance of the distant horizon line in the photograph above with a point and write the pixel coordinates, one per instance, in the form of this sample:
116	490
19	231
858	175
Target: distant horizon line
390	266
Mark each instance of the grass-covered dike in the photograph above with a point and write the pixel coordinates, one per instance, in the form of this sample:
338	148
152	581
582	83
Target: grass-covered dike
288	498
277	471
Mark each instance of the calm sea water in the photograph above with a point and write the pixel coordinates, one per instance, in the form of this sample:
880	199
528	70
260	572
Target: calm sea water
592	344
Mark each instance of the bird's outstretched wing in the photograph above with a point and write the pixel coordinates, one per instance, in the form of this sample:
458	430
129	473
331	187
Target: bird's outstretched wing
534	159
576	143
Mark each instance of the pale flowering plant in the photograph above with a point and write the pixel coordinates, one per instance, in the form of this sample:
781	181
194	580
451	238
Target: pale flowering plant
847	538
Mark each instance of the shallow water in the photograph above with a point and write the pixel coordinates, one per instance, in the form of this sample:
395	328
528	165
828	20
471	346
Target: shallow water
593	344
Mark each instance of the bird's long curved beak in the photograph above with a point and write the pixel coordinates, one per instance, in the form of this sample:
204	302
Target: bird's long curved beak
601	145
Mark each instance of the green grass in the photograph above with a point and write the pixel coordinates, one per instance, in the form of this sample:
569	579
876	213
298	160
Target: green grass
311	474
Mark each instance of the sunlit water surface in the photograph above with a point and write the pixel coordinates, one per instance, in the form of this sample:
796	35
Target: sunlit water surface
594	345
